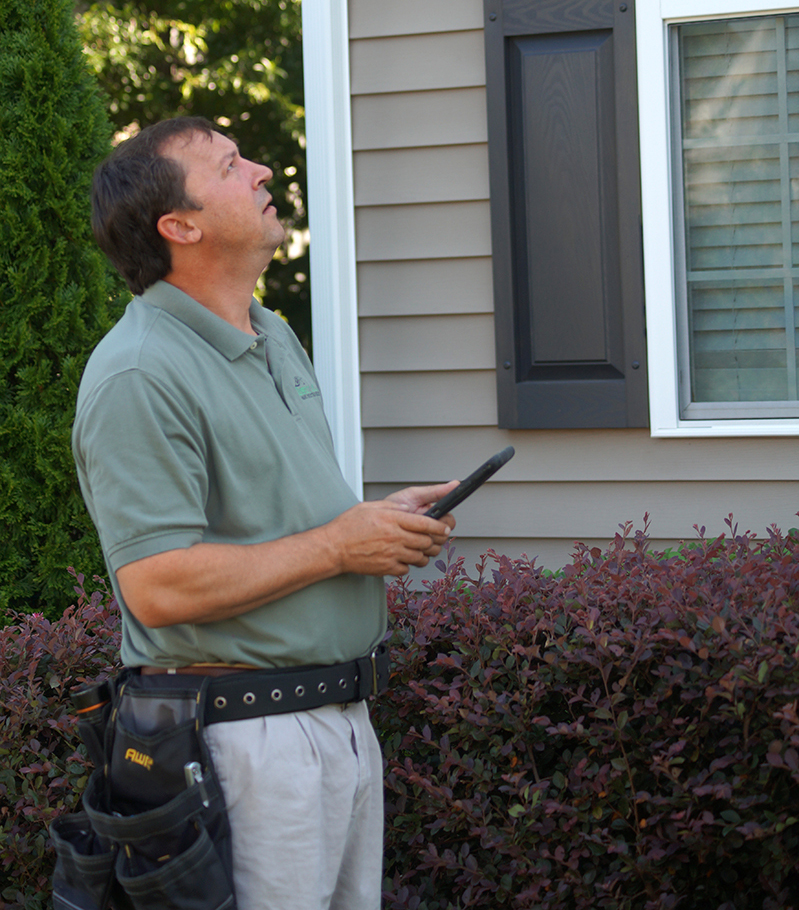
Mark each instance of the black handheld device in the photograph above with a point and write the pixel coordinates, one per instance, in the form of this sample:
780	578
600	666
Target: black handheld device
471	483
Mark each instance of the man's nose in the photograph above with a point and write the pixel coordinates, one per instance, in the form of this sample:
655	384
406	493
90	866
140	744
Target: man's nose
263	174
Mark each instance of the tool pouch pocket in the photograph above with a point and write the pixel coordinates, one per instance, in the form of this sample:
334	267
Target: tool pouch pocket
84	870
156	804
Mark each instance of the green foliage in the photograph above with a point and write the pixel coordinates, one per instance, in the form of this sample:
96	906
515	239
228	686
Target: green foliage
236	62
56	294
43	766
621	735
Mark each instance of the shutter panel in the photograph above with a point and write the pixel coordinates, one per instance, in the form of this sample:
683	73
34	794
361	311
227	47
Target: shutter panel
565	207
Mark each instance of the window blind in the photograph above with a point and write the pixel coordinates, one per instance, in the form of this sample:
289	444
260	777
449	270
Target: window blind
738	129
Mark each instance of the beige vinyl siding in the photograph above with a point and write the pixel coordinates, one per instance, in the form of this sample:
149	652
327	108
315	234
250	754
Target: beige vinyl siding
426	328
499	511
432	342
415	119
400	176
415	231
443	399
417	62
423	287
535	507
373	18
401	455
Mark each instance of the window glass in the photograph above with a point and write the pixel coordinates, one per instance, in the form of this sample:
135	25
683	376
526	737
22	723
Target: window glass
736	125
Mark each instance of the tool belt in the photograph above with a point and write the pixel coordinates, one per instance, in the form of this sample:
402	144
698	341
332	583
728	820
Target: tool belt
255	693
154	831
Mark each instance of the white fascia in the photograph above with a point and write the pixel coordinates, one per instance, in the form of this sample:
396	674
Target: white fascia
652	20
331	217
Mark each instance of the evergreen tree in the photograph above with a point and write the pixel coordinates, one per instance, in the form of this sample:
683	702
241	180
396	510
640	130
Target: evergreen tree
58	297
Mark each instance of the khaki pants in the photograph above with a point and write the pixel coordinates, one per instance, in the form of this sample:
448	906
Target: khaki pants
304	794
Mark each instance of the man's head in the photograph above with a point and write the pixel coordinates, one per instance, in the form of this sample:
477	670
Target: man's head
131	190
173	185
232	230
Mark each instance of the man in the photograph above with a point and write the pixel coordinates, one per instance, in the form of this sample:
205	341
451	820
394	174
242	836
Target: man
231	538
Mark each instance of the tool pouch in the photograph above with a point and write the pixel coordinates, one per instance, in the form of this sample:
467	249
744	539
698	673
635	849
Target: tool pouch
154	832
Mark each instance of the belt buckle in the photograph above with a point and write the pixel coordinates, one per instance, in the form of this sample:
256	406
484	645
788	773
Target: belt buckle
366	681
373	661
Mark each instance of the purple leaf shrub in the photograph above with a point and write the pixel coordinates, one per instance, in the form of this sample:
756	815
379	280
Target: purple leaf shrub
622	734
43	767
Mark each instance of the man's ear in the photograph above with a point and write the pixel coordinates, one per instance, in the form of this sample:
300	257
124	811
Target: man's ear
179	227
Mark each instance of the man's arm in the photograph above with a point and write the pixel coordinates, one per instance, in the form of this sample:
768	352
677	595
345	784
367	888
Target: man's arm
208	581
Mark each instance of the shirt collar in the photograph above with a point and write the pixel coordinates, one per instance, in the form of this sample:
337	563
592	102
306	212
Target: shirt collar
226	338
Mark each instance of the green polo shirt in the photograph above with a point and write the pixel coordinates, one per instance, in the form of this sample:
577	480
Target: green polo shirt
190	430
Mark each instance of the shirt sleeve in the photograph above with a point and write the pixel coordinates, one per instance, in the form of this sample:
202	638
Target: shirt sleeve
141	461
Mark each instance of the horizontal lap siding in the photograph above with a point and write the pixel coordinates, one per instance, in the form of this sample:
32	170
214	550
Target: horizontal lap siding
503	509
419	119
452	398
403	455
423	287
375	18
417	62
439	174
444	343
427	335
545	519
424	231
422	215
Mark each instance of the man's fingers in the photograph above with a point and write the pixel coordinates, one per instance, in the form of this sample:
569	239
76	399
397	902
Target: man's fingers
419	499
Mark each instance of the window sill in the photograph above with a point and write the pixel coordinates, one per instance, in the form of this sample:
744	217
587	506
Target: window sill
725	428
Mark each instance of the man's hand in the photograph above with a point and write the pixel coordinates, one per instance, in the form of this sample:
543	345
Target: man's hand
387	537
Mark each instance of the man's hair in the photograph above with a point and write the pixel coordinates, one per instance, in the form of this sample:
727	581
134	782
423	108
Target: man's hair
131	190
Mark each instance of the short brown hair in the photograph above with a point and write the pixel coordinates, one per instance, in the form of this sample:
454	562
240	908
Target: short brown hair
131	190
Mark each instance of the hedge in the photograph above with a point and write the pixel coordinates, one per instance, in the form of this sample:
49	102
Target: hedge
620	734
43	766
58	296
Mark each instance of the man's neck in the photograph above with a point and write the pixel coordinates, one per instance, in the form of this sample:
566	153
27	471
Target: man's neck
228	299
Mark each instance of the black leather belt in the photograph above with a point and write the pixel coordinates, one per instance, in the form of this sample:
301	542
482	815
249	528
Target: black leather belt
256	693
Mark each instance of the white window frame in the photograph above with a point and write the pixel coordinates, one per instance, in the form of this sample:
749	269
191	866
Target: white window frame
653	18
331	218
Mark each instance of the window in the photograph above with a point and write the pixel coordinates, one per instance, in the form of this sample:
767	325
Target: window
719	109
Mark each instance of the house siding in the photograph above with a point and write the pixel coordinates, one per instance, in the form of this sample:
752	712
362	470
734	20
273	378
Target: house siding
426	327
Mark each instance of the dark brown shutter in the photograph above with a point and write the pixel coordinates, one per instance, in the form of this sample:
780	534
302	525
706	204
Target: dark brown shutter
565	209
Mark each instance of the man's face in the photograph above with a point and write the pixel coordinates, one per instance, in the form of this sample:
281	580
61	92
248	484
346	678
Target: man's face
237	217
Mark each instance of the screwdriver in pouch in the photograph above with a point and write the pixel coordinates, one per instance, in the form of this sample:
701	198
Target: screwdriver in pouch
194	775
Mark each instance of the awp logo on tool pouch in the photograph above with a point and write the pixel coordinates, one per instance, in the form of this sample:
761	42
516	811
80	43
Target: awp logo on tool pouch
139	758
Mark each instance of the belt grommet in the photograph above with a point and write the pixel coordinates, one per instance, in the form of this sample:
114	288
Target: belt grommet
342	684
299	691
249	698
220	702
276	694
322	688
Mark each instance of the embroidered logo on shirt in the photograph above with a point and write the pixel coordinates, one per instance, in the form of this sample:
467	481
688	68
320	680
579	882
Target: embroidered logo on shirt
306	389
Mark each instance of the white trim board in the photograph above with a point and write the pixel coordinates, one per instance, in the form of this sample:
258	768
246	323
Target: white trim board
331	216
705	9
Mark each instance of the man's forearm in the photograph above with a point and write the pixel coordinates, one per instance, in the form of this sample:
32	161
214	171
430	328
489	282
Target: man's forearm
212	581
